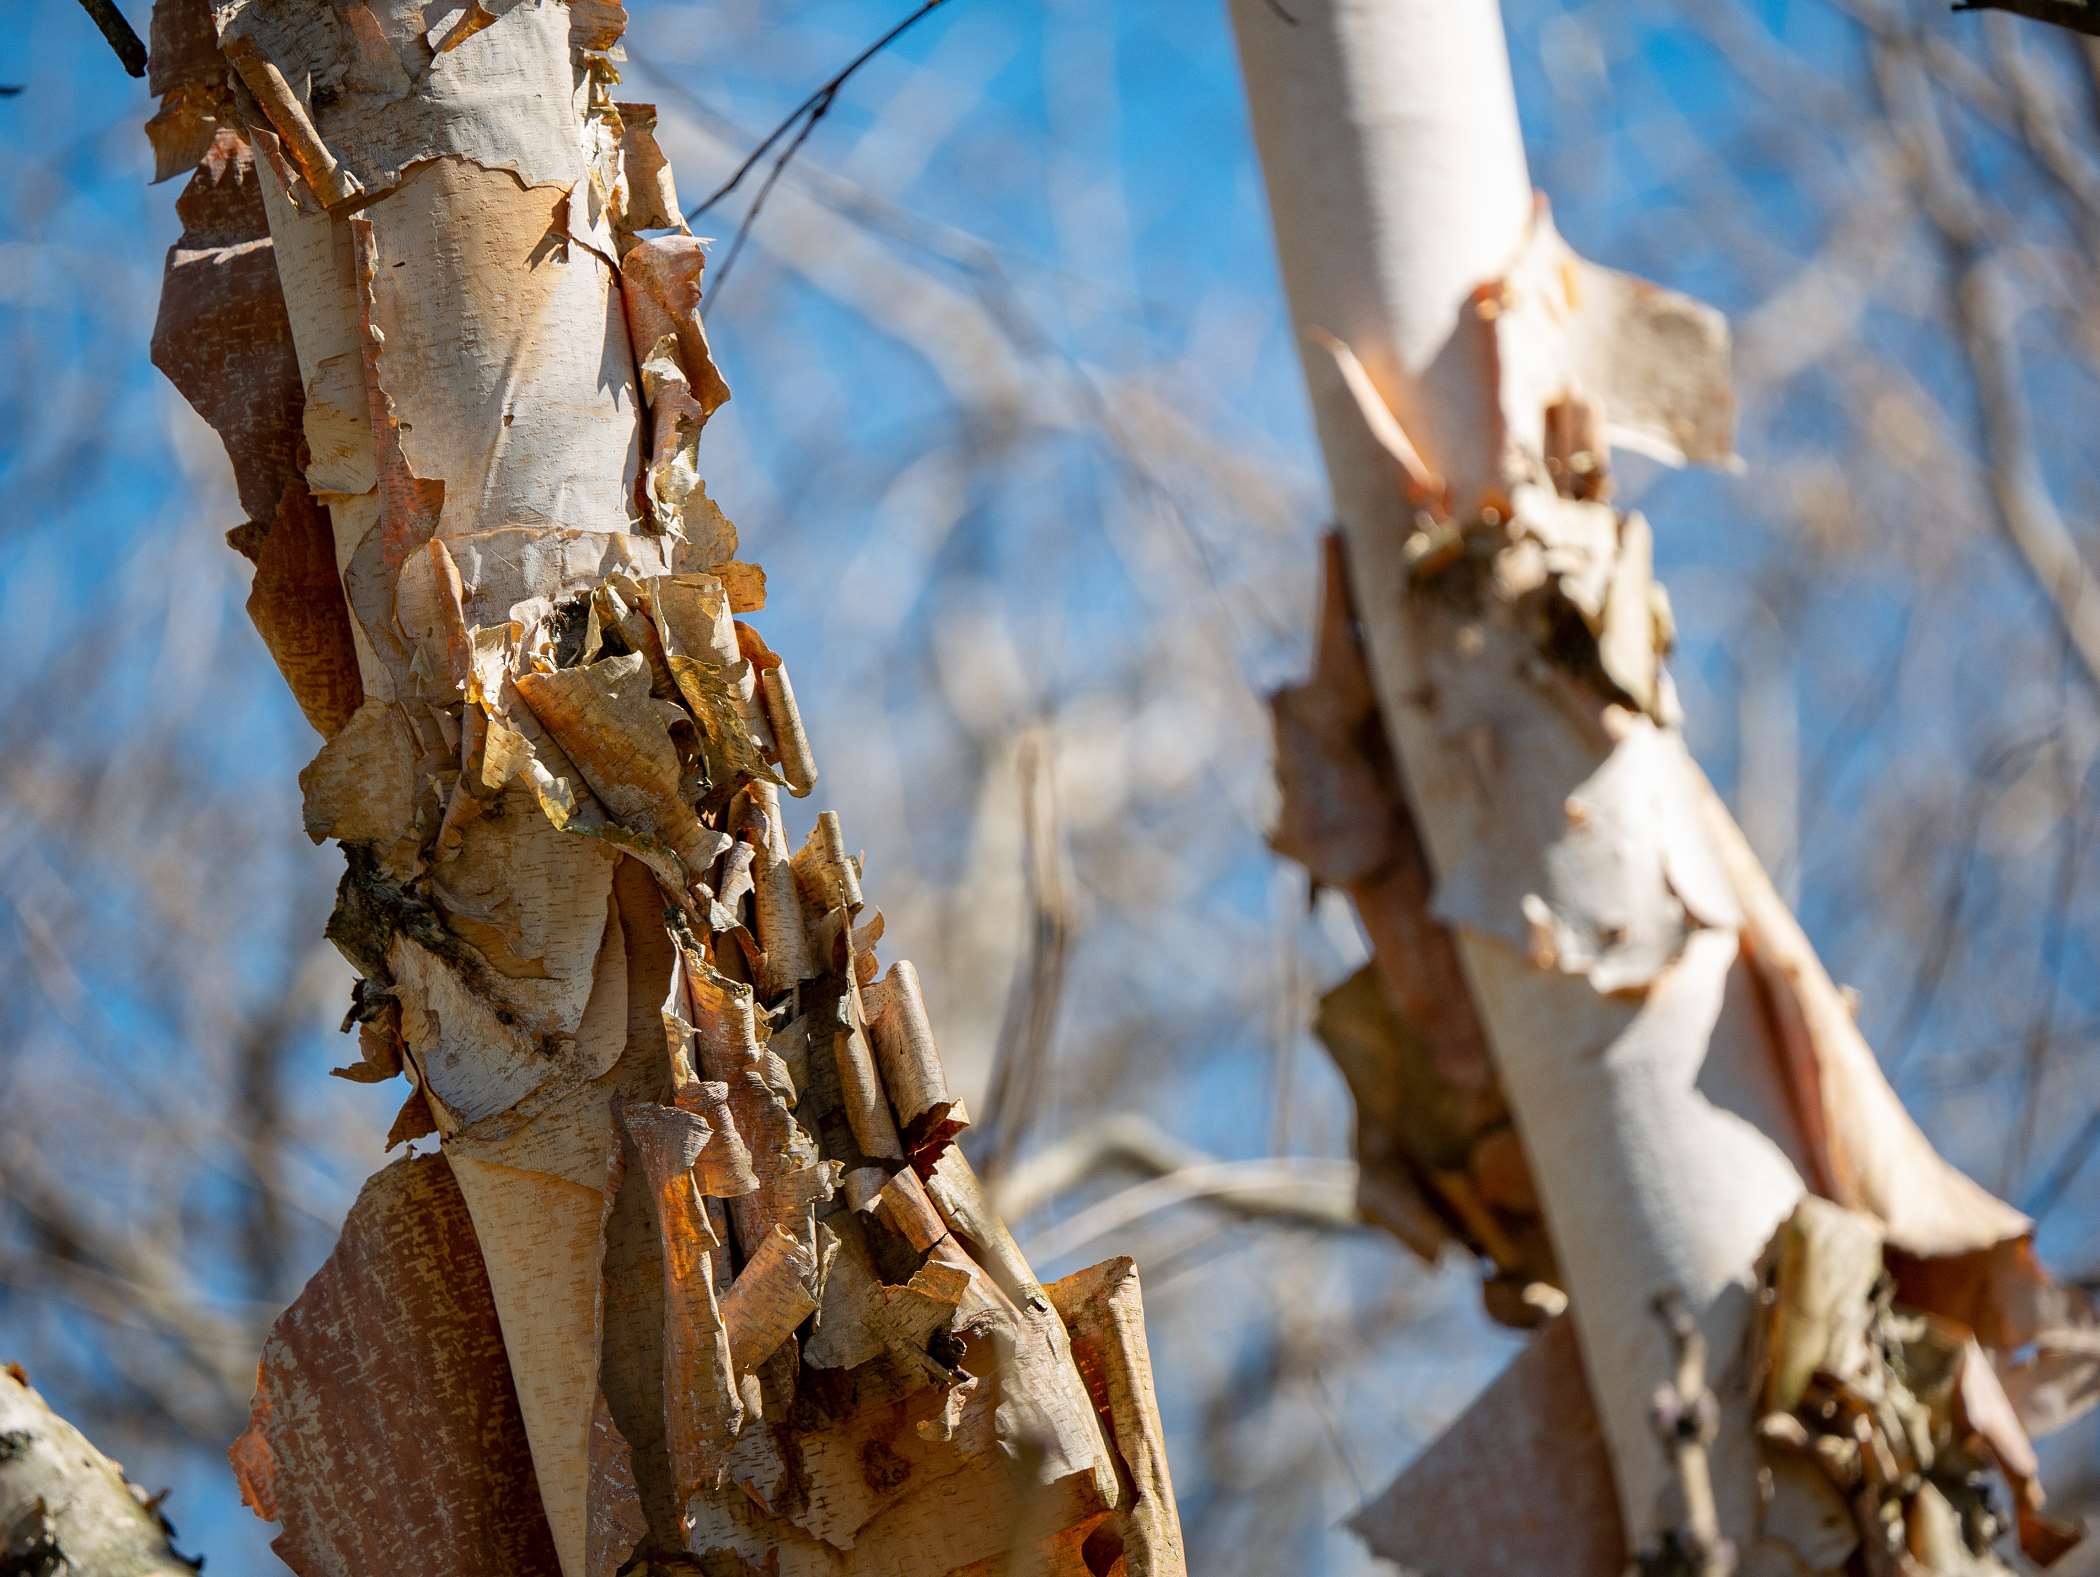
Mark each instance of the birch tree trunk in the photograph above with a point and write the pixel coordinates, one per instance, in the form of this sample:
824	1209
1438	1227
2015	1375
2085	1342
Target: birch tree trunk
64	1506
696	1280
1569	932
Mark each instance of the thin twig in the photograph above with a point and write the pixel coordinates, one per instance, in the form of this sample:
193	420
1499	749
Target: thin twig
2080	16
1126	1141
1307	1191
2055	937
816	107
758	205
130	50
1030	1019
1947	932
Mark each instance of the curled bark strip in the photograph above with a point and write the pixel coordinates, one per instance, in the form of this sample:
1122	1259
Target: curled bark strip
1102	1307
224	340
1345	819
1653	362
773	1294
320	168
796	762
1864	1147
911	1067
701	1408
617	1521
956	1191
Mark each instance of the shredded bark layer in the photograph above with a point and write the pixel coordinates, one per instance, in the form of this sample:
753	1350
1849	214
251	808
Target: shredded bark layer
697	1279
1568	930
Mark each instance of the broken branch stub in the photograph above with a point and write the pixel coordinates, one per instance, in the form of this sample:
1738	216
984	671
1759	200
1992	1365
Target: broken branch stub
1488	760
696	1275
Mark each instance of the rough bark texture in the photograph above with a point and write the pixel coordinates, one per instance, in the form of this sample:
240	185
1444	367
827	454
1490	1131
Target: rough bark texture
697	1280
1679	1067
64	1506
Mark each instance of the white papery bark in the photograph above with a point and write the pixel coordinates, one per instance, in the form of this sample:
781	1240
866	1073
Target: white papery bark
64	1506
1625	952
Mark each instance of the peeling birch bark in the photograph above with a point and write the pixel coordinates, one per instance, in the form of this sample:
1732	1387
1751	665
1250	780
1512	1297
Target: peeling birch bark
696	1280
1566	924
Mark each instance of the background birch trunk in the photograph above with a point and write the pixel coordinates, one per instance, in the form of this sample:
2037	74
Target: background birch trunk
697	1278
65	1507
1569	930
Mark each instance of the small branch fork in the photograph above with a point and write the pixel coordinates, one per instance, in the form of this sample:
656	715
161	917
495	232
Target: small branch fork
1687	1417
801	120
2080	16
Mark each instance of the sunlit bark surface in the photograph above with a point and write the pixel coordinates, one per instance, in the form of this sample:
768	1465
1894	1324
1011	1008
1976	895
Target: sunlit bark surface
696	1279
1593	1046
65	1507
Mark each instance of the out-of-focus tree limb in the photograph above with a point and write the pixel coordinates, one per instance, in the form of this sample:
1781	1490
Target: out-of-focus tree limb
1304	1190
127	1274
2019	493
1030	1021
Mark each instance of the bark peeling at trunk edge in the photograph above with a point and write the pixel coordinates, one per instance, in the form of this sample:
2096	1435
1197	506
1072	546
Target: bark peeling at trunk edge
697	1279
1680	1068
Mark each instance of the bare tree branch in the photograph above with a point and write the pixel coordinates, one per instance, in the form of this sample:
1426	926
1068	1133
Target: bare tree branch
120	34
2080	16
